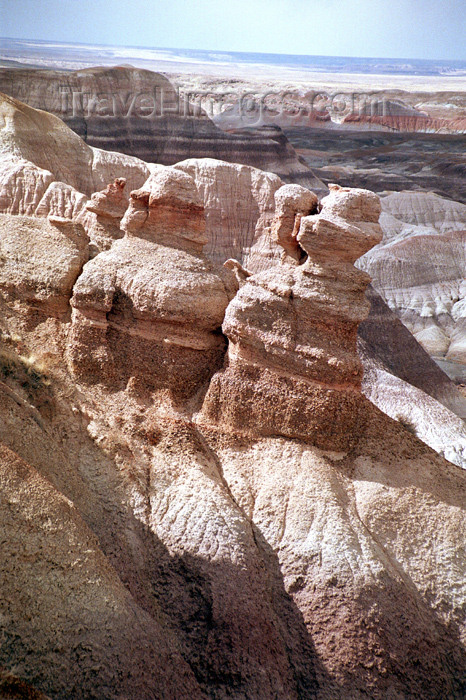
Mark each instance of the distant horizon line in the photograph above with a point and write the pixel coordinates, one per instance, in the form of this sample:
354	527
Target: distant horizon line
236	53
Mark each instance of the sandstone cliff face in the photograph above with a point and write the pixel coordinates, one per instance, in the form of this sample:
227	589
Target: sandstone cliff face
214	554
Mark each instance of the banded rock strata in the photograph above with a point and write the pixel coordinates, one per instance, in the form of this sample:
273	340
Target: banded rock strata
150	308
139	113
169	554
292	329
239	206
419	269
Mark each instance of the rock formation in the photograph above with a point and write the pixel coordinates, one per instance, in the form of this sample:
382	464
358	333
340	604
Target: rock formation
109	206
343	110
239	207
150	308
239	210
409	123
62	601
292	329
153	549
140	113
384	161
40	260
292	202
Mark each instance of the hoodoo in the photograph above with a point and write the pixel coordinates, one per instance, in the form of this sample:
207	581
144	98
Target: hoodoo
151	307
292	368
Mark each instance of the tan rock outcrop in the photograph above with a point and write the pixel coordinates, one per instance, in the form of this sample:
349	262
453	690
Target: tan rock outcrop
47	169
152	306
152	552
109	207
204	557
41	138
238	200
239	208
63	201
168	210
40	260
406	123
292	202
292	333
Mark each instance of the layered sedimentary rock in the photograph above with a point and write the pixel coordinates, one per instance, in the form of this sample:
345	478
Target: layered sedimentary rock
34	136
37	181
240	207
292	329
417	123
46	169
342	110
238	200
420	269
417	411
384	161
151	307
40	260
109	207
156	552
139	113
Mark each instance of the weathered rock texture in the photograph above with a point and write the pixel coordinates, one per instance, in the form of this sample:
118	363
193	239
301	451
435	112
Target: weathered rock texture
239	207
139	113
420	269
36	180
292	329
64	605
40	260
238	202
43	146
151	308
154	553
109	207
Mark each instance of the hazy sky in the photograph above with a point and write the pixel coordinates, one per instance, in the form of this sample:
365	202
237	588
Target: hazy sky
381	28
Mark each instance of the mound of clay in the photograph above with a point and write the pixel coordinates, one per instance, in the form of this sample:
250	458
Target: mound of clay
420	269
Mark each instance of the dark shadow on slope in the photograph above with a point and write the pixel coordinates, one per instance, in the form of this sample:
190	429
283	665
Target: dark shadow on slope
240	630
